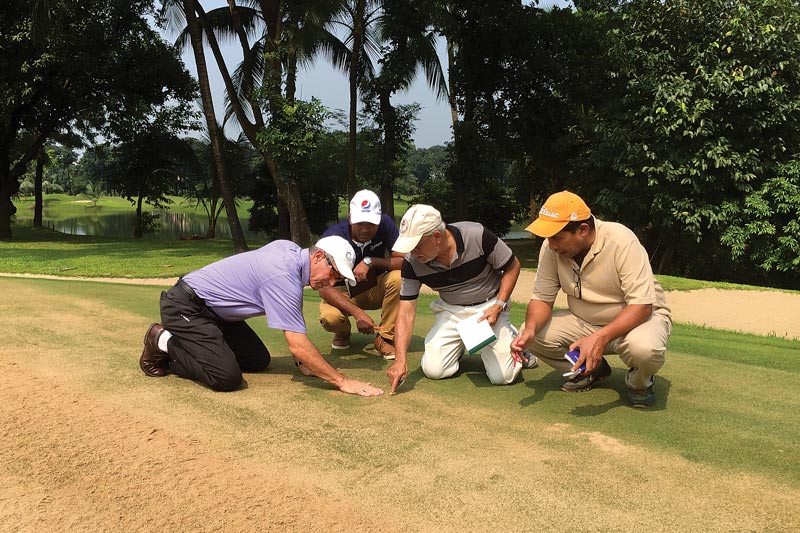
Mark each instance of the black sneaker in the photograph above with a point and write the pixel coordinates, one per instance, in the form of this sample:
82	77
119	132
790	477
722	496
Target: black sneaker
584	382
644	398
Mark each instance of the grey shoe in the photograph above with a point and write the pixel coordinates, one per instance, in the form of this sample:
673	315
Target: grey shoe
641	398
584	382
528	360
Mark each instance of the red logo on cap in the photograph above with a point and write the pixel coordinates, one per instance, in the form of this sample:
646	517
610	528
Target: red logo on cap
365	205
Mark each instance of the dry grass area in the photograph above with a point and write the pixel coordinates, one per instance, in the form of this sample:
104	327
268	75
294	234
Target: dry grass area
90	444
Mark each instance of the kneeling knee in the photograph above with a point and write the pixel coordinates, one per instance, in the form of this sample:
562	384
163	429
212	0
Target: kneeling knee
436	370
227	383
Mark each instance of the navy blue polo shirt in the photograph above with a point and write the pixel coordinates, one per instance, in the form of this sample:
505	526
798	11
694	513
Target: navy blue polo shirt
382	242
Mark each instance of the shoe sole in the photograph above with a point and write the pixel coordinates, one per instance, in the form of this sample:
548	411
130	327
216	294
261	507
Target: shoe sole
339	347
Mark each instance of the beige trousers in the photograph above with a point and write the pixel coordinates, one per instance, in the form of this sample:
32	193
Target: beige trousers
444	348
385	295
643	349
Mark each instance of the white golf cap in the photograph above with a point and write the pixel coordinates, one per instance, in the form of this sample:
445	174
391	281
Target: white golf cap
365	207
419	220
341	253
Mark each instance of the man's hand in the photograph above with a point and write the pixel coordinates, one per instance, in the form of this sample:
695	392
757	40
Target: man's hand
364	323
397	374
521	341
361	271
592	348
352	386
491	314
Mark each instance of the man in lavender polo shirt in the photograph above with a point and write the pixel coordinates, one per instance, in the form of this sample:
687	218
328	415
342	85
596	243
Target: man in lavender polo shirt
204	335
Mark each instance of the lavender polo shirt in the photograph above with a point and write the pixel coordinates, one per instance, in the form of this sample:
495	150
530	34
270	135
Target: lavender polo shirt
268	281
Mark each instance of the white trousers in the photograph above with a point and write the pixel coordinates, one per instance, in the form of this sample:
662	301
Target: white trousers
444	348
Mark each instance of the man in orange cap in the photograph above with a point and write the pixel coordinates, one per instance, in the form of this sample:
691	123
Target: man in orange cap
615	303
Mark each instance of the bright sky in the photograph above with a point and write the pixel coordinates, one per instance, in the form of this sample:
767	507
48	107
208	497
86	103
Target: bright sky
330	86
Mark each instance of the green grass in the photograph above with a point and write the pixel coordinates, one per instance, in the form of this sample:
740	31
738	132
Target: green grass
44	251
725	400
60	206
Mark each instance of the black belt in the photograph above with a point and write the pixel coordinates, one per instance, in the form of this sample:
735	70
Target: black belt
492	297
190	292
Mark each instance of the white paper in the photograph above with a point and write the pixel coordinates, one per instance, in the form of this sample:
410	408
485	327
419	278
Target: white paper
475	335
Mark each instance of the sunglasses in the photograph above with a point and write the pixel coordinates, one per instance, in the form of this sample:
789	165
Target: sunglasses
333	268
576	277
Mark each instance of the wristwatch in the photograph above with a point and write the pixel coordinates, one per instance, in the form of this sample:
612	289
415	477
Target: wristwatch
501	303
368	261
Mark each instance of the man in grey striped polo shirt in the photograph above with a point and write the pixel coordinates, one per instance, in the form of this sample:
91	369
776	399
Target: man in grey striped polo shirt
474	273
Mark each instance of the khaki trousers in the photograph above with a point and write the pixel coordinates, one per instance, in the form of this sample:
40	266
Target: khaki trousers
385	295
643	349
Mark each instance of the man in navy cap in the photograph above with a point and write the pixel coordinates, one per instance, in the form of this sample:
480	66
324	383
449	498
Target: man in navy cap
371	235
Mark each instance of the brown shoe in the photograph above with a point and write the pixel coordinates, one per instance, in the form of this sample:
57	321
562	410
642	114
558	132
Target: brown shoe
153	361
384	347
341	341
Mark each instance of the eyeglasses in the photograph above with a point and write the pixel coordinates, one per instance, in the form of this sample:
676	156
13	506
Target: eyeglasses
333	268
419	245
576	277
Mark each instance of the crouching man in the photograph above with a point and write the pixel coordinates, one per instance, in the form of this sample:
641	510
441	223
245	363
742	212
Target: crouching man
615	303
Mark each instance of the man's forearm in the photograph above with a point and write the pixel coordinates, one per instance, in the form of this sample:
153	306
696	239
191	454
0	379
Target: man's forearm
387	263
509	281
537	315
307	354
403	328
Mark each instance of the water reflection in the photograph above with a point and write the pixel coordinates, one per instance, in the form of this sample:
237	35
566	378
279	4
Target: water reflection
172	226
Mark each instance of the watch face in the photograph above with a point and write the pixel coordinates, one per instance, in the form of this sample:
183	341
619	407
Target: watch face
367	260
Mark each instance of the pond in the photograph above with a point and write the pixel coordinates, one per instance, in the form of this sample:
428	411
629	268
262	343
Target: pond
172	226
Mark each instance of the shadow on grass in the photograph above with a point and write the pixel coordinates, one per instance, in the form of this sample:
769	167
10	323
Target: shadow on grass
551	383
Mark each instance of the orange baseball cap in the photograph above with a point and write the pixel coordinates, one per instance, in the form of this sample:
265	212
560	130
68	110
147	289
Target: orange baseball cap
560	209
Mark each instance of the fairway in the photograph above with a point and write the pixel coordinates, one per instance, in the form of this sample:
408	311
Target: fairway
89	443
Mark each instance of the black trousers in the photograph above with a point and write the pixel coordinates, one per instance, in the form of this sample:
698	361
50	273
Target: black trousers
205	348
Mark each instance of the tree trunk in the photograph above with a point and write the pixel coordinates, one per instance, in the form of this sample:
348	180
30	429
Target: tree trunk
289	196
38	202
271	11
291	76
457	174
239	243
532	206
460	199
389	151
284	221
8	187
211	232
138	230
355	66
7	209
451	95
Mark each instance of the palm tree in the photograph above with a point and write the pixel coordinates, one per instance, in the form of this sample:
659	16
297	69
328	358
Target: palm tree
359	20
283	36
410	43
187	9
199	178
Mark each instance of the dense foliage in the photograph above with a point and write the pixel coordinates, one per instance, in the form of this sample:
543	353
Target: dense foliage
678	118
90	66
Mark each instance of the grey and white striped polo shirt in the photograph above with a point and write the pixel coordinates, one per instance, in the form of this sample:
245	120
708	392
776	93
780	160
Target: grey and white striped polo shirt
472	277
